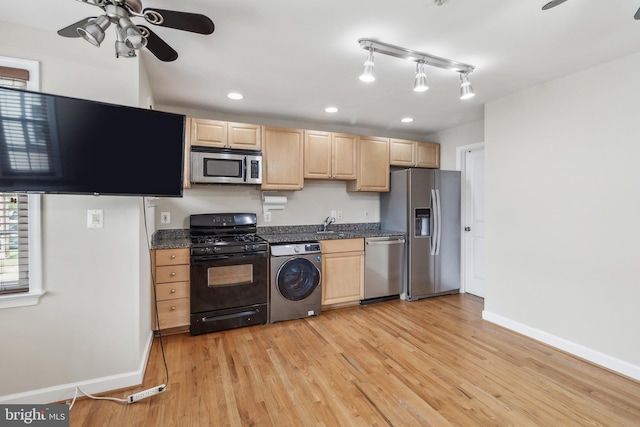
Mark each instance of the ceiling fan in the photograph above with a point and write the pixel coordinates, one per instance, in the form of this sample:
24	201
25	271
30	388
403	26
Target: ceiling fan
129	36
555	3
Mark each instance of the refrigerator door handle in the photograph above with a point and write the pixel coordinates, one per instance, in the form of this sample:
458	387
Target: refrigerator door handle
434	227
439	222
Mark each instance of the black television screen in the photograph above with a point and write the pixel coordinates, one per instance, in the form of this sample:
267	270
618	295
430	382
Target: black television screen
58	144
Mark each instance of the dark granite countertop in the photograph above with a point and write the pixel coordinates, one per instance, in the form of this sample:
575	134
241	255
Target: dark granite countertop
170	239
309	233
179	238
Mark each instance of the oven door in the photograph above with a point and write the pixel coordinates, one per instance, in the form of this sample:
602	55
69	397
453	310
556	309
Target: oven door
221	282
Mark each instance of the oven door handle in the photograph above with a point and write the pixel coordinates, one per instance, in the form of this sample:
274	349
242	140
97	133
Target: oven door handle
197	259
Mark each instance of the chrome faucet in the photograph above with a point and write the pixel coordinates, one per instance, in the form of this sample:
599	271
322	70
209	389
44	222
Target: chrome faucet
327	222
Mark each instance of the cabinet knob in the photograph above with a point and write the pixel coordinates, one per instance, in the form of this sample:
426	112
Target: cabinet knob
173	291
173	307
173	256
173	273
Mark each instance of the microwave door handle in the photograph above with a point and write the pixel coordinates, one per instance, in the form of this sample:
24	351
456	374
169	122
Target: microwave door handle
244	169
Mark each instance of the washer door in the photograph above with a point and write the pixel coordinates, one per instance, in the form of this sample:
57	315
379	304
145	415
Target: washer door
297	279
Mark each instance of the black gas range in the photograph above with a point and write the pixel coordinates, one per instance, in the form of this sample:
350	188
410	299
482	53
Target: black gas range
229	282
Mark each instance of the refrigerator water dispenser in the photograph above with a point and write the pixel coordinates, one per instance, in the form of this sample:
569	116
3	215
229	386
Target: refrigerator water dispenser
422	222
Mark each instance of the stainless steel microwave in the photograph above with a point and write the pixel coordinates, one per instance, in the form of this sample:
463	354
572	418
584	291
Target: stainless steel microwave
223	166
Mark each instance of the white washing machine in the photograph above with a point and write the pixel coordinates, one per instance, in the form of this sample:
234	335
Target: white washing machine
296	281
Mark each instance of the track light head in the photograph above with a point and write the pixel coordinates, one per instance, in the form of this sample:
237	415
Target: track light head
466	90
367	71
420	83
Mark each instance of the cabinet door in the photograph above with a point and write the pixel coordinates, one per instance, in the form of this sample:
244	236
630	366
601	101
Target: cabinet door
343	162
208	133
402	152
373	165
244	136
282	159
428	155
317	154
343	277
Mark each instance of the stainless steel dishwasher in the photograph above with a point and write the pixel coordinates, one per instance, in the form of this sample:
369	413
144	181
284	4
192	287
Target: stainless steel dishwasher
384	271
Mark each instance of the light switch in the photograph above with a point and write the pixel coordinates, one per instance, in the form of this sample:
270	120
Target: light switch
95	218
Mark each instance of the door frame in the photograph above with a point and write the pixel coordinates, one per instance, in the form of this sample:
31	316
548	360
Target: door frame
460	166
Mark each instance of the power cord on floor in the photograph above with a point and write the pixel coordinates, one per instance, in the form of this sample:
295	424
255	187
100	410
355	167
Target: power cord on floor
75	396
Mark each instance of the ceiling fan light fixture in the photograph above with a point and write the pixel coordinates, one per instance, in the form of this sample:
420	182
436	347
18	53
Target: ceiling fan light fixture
131	34
367	71
466	90
123	50
93	31
420	83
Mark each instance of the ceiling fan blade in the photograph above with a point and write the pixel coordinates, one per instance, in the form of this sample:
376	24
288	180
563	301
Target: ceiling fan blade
72	30
553	3
637	15
185	21
157	46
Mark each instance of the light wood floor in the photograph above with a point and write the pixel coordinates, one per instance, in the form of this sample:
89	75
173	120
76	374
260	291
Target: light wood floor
430	362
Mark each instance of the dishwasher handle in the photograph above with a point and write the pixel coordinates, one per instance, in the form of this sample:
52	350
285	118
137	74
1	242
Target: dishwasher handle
384	240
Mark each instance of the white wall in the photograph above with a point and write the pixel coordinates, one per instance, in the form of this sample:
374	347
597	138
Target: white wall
92	326
309	206
450	139
563	209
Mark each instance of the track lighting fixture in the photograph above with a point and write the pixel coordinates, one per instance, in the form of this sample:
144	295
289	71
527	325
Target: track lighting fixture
422	59
367	71
420	84
466	90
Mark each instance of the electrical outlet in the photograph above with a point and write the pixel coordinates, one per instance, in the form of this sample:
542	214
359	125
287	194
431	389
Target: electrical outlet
165	217
132	398
339	215
333	215
267	217
95	218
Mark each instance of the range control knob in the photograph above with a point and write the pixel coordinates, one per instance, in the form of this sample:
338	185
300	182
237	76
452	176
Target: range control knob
296	249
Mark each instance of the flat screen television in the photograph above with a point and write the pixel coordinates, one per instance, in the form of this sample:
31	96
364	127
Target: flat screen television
57	144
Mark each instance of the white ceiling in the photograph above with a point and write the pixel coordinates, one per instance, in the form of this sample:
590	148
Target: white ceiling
293	58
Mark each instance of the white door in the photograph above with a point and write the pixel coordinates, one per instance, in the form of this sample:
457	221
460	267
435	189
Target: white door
473	221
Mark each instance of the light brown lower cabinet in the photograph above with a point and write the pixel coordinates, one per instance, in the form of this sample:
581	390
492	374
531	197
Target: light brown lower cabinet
342	271
172	287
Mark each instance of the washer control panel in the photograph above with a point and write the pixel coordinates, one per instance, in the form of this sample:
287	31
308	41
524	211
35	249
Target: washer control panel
285	249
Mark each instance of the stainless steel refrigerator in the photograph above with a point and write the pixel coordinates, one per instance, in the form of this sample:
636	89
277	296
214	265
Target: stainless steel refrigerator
425	204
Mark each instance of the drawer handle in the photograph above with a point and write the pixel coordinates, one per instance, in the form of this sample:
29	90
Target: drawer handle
173	291
173	273
173	256
173	307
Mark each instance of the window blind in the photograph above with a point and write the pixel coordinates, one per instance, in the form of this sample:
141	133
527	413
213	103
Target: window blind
14	242
14	213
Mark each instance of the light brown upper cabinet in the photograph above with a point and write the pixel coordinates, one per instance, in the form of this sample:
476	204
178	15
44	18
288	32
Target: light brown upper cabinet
215	133
282	159
414	154
372	168
329	155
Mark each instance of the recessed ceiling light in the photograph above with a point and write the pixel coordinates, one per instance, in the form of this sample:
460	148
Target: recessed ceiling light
407	120
331	110
234	95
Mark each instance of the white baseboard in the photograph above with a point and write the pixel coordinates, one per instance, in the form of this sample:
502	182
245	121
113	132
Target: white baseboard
593	356
64	392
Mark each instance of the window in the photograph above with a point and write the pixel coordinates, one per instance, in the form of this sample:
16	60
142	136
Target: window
20	240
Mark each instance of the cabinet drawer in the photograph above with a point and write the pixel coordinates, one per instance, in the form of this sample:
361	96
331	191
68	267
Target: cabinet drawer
166	291
172	256
342	245
173	313
172	273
